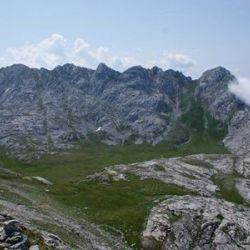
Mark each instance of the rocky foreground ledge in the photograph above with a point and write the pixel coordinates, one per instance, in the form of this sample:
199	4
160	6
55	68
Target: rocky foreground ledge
200	223
202	220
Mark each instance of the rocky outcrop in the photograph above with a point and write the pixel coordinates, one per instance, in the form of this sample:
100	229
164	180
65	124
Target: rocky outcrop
193	172
188	222
201	221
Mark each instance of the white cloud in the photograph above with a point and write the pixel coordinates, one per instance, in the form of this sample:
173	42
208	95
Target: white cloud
241	88
179	61
80	45
47	53
56	50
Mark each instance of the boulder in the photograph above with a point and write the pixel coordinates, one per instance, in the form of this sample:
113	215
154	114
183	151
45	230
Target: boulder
34	247
11	227
42	180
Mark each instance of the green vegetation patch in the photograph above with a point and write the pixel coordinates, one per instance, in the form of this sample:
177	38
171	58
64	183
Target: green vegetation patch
197	162
89	158
36	239
228	191
198	119
123	205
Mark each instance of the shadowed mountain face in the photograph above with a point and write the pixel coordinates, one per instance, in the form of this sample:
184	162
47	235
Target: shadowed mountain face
42	110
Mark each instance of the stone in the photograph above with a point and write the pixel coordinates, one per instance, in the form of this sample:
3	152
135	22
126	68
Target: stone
52	240
14	238
3	235
42	180
21	245
11	227
34	247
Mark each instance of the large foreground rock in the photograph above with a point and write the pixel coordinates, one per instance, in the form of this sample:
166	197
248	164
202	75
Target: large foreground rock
189	222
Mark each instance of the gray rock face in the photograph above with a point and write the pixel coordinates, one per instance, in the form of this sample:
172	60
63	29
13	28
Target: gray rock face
42	111
238	137
213	91
182	223
221	103
243	187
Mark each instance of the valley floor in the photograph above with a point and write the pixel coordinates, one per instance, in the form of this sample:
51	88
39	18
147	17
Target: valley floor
89	201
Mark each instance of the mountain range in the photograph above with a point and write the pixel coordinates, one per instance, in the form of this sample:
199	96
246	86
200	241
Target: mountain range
44	110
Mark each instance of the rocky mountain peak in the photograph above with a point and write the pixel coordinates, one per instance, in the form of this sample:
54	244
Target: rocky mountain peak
135	72
15	69
103	71
103	67
155	70
216	75
213	91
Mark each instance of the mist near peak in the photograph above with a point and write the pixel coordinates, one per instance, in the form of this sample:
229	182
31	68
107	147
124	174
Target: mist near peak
241	88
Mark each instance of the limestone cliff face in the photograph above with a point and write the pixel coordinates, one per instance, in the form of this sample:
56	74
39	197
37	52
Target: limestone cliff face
42	110
214	93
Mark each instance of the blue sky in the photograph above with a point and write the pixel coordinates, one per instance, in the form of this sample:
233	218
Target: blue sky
187	35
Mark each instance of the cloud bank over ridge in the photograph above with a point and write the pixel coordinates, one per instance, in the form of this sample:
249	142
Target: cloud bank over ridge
56	50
